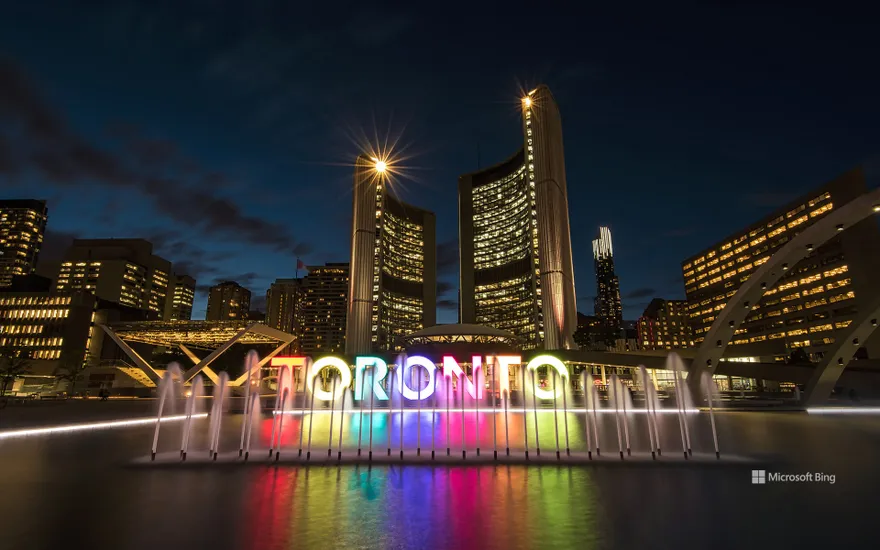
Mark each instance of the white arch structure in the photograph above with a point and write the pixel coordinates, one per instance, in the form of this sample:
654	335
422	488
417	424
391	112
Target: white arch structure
737	309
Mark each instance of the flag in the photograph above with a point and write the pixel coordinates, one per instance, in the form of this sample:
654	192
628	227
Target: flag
300	264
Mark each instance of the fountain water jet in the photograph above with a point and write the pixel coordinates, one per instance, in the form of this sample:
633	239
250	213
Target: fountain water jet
709	385
419	415
390	407
448	434
565	387
220	391
494	410
555	414
311	420
285	393
461	400
249	364
616	399
196	392
534	410
525	416
332	411
505	396
647	391
166	385
586	415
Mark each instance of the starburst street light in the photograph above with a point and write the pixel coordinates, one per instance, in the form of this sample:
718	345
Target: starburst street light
527	101
381	166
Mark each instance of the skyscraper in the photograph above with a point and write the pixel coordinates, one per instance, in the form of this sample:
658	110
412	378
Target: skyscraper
608	307
393	287
227	301
514	236
179	304
323	309
124	271
283	305
22	224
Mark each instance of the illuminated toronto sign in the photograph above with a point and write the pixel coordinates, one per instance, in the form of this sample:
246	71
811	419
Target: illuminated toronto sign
370	373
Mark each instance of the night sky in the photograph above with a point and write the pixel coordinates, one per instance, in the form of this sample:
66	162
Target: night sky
222	131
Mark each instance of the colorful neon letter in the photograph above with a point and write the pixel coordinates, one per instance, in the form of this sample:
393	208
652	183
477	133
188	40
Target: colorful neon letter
503	362
451	368
542	360
318	366
416	361
377	374
292	363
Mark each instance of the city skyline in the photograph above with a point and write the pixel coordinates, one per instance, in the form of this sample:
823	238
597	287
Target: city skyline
254	219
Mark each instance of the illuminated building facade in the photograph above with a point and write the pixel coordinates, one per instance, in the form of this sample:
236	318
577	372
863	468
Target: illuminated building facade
515	240
608	307
664	325
322	309
124	271
813	301
22	224
179	305
228	301
283	305
56	329
393	265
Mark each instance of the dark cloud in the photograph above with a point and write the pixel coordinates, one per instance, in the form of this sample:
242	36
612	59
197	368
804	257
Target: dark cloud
44	144
449	305
246	280
447	256
443	287
641	293
55	244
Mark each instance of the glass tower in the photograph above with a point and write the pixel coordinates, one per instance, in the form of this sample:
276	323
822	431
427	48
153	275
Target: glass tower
608	307
393	285
515	240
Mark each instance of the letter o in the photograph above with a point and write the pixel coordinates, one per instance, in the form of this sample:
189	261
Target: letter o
416	361
560	367
320	365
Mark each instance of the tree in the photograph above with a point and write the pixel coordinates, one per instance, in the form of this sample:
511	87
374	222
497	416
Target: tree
72	367
13	363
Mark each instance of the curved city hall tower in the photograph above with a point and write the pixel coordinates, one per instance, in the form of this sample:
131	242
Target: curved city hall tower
393	281
515	239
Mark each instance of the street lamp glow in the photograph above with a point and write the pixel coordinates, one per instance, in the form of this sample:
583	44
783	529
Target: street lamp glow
527	101
381	166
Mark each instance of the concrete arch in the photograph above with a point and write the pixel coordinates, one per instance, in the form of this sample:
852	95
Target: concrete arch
828	372
734	313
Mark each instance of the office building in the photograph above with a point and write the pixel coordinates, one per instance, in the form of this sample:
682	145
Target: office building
608	307
283	305
393	286
228	301
55	329
590	334
664	325
124	271
515	240
323	307
22	224
179	305
814	301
